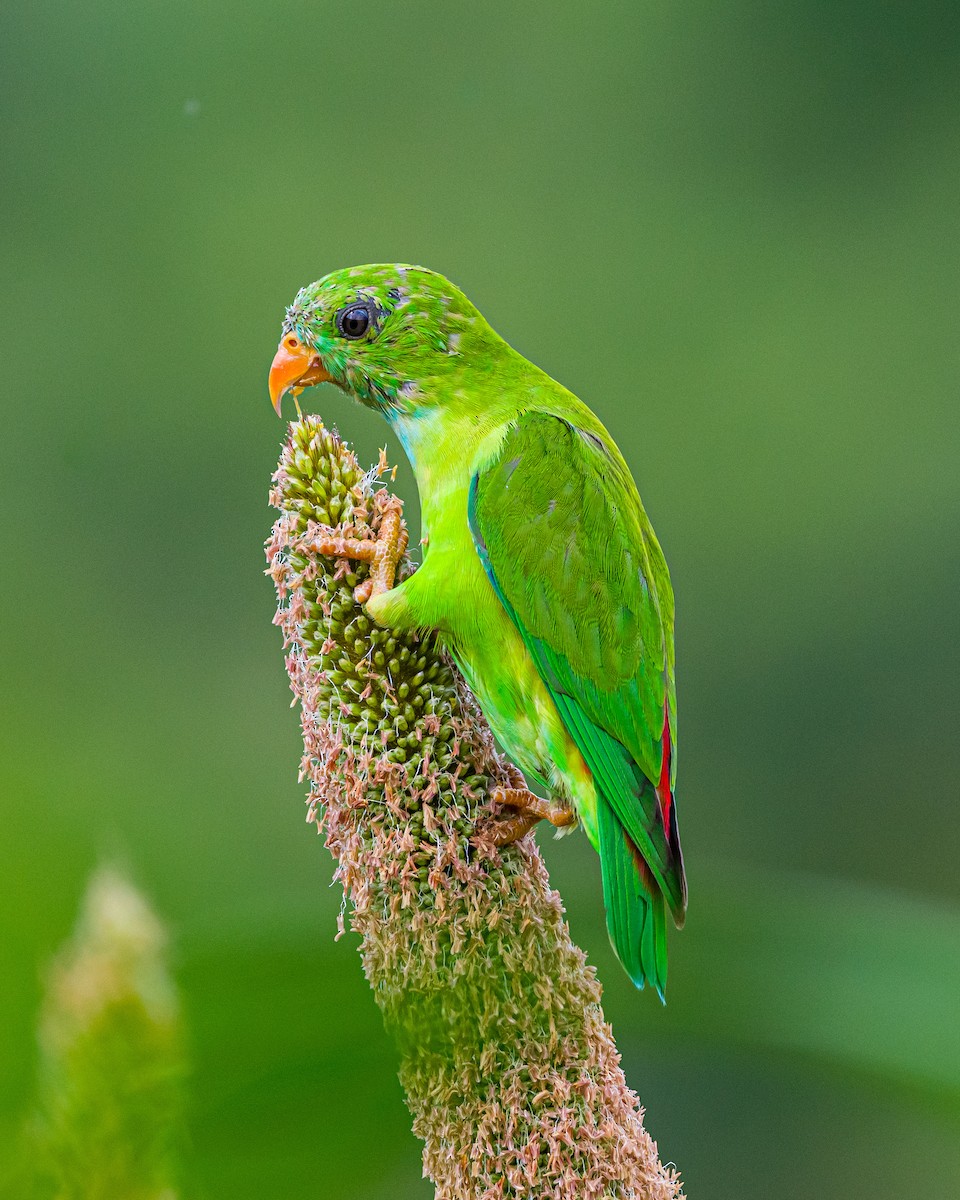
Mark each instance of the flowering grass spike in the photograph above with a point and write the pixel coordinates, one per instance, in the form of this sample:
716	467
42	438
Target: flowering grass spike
509	1068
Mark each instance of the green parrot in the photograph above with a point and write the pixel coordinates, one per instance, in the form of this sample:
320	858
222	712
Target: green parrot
541	572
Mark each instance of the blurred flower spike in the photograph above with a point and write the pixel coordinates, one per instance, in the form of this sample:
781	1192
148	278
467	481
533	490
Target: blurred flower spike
109	1119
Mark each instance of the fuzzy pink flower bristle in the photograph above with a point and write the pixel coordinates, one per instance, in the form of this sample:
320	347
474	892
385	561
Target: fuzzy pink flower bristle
509	1068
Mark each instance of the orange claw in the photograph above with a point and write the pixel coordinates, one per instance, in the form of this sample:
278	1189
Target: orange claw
295	366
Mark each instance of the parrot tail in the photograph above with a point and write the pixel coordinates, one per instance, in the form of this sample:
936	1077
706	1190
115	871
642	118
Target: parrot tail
636	917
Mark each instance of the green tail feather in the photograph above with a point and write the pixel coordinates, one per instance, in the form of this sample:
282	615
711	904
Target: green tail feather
636	920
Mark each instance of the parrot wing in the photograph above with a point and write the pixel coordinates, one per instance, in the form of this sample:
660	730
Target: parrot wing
563	537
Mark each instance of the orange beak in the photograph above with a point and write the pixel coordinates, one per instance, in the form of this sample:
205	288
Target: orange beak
295	367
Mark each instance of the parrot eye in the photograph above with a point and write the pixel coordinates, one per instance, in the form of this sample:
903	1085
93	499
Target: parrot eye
354	321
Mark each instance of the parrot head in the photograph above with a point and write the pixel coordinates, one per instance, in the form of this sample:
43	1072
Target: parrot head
386	334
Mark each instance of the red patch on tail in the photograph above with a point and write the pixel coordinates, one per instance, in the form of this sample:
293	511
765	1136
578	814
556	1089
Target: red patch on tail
646	875
663	789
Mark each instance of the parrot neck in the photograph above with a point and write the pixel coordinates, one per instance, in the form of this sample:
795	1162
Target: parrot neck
446	442
439	442
456	414
459	423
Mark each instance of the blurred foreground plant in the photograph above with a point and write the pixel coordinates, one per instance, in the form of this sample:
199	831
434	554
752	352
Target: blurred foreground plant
109	1116
510	1070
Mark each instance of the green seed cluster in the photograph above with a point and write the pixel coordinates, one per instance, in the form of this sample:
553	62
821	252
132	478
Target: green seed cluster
391	695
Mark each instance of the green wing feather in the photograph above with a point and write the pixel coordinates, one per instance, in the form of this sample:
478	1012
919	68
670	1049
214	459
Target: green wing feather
563	536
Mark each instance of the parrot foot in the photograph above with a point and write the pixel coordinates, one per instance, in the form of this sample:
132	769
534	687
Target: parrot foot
531	810
506	830
383	552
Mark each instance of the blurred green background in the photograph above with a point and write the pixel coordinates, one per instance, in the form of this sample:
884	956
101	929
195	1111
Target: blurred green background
733	230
